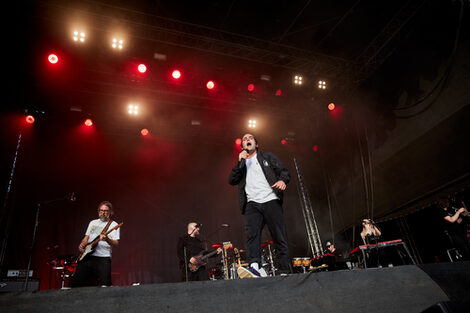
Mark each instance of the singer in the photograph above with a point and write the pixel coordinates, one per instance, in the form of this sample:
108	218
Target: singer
261	178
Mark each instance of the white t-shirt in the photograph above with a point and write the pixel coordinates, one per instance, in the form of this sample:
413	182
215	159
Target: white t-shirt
102	249
257	187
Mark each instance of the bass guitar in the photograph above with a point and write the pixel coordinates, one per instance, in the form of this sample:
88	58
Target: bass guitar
90	247
201	258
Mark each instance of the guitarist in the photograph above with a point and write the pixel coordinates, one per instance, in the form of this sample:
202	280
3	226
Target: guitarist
455	223
189	248
98	264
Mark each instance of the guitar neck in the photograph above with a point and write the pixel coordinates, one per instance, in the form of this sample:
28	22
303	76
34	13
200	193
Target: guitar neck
209	255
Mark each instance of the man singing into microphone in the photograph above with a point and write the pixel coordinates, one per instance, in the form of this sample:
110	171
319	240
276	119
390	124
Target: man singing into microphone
261	178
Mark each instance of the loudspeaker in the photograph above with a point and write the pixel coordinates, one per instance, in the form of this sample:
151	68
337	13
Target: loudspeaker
12	285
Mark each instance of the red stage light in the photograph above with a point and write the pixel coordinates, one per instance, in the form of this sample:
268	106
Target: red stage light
331	106
88	122
176	74
144	132
251	87
278	92
30	119
283	141
210	85
52	58
315	148
238	141
142	68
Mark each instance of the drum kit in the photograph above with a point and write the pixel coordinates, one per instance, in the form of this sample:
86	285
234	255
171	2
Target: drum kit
66	266
232	258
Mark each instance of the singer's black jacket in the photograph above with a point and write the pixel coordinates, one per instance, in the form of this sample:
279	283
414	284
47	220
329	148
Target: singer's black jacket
273	170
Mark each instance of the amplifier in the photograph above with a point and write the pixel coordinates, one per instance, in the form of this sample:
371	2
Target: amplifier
15	285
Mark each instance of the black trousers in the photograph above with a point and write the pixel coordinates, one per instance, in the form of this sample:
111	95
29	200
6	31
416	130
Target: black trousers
199	275
92	271
460	241
257	215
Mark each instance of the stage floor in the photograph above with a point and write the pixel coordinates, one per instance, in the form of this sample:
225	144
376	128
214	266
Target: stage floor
407	288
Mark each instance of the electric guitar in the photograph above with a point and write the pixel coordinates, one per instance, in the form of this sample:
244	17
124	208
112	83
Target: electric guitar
201	259
90	247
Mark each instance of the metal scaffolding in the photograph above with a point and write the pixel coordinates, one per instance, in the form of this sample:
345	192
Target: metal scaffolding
313	234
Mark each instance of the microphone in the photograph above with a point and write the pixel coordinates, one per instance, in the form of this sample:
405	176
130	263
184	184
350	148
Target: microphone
198	225
71	197
243	161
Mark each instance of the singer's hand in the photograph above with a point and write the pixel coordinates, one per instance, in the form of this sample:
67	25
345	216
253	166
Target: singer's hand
281	185
242	155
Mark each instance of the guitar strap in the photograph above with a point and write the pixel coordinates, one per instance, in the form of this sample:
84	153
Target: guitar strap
105	229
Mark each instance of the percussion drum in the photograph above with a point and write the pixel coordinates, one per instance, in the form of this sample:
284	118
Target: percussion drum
297	262
306	262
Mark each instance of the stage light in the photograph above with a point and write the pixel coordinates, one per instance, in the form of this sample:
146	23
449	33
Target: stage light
29	119
176	74
322	84
117	43
331	106
79	36
88	122
278	92
133	109
144	132
52	58
298	80
283	141
210	85
252	123
251	87
142	68
315	148
238	141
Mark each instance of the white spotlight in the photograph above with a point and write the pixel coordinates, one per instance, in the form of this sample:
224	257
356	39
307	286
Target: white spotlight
298	80
79	36
322	84
133	109
252	123
117	43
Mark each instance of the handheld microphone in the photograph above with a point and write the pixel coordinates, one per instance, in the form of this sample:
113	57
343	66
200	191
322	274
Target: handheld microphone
198	225
72	197
243	161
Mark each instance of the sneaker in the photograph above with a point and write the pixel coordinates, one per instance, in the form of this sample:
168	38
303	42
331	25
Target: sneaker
244	272
262	272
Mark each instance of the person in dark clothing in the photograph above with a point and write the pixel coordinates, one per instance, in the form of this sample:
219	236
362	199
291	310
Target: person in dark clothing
189	248
261	178
455	224
336	260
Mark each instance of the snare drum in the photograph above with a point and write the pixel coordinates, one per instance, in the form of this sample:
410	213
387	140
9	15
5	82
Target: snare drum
297	262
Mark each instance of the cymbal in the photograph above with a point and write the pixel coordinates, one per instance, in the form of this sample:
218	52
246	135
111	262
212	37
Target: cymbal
267	242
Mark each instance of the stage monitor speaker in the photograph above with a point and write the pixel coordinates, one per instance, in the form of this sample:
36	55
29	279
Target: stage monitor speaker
12	285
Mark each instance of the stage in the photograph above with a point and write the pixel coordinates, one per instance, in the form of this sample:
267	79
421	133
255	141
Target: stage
407	288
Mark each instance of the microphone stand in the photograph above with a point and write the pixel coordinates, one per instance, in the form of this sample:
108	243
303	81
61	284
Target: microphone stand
70	197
